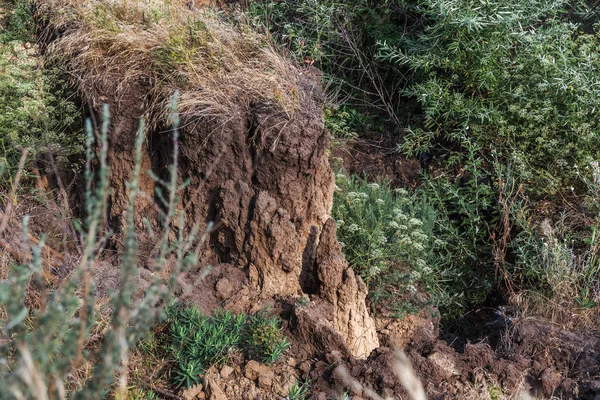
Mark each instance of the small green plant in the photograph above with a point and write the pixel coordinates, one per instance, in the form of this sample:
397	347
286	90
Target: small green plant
188	373
196	342
302	301
495	393
339	122
265	339
299	391
141	394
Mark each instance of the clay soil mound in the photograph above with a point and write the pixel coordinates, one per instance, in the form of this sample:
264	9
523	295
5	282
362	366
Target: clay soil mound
251	146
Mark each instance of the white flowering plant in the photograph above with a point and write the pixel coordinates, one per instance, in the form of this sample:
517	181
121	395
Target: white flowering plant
387	237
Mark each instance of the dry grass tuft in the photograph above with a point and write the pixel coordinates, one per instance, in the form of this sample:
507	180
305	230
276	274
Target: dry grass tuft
220	66
558	310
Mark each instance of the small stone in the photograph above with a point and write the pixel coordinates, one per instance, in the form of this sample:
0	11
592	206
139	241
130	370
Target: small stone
305	367
226	371
550	381
388	381
443	365
254	369
251	393
265	382
224	288
193	393
215	392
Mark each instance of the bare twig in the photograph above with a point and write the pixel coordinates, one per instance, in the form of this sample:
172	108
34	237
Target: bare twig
13	190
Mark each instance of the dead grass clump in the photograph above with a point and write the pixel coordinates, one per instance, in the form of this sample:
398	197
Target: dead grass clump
558	310
217	66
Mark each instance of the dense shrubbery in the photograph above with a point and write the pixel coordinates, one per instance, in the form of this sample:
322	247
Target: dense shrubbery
486	87
36	111
510	78
389	237
502	86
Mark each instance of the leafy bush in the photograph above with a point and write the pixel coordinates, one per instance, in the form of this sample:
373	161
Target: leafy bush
341	123
377	226
485	86
345	122
36	109
197	342
513	77
500	85
20	24
388	238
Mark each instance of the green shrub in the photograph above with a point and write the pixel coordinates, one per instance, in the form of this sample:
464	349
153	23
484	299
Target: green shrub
345	122
500	84
377	226
20	24
513	77
197	342
388	237
37	111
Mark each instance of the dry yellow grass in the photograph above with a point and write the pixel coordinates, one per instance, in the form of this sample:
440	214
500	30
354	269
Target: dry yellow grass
219	67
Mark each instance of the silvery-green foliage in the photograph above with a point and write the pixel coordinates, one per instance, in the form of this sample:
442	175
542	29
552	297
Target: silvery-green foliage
44	346
520	79
37	111
387	236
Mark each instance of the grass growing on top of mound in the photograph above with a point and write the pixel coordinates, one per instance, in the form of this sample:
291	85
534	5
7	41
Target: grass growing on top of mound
217	64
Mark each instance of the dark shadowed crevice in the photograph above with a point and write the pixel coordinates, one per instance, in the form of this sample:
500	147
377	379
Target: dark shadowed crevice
308	276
